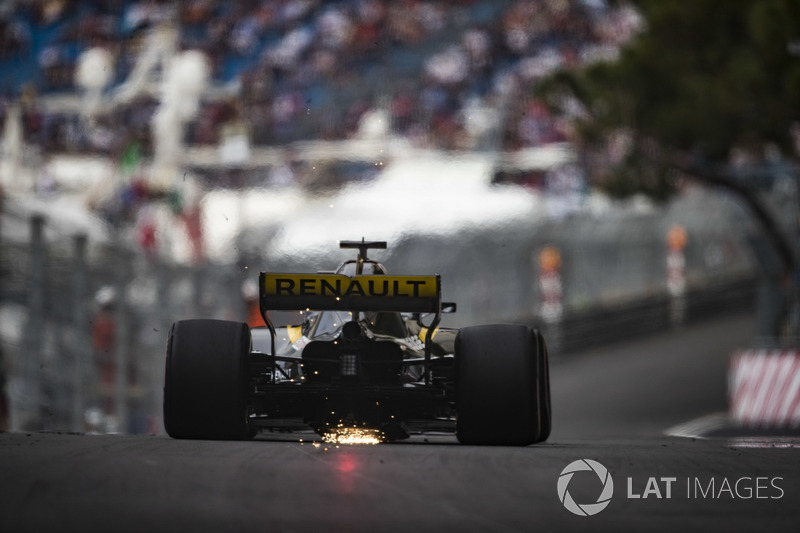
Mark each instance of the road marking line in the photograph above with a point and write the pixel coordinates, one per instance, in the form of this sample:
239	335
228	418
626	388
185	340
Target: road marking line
699	427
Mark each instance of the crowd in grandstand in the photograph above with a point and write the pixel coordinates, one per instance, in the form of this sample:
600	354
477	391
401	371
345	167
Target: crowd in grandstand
312	69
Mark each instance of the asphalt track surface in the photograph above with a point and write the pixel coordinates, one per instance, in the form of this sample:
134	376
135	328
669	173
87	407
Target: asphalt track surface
611	405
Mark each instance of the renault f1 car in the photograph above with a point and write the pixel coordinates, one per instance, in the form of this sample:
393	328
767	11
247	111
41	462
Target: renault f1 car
365	356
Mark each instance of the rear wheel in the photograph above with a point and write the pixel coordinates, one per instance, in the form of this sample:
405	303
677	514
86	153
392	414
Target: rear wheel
497	385
205	381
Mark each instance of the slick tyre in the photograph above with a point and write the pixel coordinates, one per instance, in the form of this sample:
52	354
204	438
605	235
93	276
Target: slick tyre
497	385
205	380
545	412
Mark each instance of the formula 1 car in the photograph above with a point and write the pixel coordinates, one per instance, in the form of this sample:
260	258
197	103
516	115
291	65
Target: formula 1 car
358	362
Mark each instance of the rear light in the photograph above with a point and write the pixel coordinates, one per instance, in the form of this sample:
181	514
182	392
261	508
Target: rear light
349	364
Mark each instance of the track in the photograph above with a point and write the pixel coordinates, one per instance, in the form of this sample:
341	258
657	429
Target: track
610	405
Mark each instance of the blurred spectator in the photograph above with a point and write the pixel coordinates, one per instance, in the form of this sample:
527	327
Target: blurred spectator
146	13
14	38
52	11
54	63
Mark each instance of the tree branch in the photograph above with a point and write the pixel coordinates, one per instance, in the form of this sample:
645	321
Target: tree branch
777	239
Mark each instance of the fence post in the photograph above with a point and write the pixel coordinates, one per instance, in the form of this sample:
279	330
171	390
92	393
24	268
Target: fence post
676	274
121	338
551	307
34	326
197	275
82	340
158	357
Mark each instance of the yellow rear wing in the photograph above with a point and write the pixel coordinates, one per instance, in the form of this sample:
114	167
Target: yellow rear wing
336	292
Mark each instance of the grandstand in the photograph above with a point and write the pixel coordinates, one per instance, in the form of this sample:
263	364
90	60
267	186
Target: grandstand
295	70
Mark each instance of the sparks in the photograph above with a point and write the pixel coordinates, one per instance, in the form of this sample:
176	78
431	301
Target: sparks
353	435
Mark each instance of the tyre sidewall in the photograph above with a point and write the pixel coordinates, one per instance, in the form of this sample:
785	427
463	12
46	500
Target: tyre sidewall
497	390
205	381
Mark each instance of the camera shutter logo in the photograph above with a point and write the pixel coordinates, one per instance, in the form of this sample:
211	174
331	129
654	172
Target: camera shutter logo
586	509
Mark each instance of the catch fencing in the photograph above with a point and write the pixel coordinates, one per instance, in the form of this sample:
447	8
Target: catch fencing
85	325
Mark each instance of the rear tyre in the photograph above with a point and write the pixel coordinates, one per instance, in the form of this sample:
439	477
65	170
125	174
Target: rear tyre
545	412
497	386
205	380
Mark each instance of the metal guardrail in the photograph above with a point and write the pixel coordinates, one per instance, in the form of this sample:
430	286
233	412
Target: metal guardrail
608	324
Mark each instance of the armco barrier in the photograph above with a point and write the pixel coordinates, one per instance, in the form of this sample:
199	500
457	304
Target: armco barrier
607	324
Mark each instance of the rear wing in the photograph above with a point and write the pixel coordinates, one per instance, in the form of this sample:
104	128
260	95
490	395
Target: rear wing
336	292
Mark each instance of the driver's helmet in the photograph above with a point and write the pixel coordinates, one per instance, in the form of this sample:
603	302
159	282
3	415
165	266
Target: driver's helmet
369	268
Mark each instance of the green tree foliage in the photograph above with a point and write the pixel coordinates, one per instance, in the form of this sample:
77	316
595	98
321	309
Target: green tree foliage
702	78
